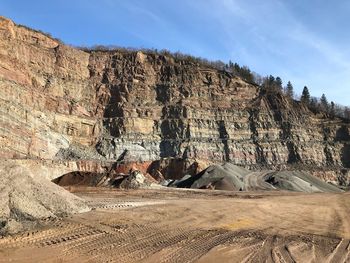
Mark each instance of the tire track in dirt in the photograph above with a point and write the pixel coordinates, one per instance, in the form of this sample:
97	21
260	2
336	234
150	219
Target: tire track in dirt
197	245
134	243
340	253
119	233
283	255
139	242
32	238
263	252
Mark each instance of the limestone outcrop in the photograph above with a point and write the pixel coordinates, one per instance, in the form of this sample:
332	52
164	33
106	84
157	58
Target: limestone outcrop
62	104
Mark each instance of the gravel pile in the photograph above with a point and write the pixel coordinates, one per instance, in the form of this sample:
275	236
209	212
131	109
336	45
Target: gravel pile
25	199
231	177
299	181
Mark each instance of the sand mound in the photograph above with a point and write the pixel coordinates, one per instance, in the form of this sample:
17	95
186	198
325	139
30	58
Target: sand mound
24	199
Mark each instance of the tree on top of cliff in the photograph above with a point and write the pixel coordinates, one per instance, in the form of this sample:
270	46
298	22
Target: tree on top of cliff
272	84
318	105
289	90
332	109
305	96
313	105
268	82
324	103
347	113
278	83
243	72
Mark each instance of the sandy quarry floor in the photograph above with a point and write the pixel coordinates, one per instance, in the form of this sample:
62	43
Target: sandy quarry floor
192	226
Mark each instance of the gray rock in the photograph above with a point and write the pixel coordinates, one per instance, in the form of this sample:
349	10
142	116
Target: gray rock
134	181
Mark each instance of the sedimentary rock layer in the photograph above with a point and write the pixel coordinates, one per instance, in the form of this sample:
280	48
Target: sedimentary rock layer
62	103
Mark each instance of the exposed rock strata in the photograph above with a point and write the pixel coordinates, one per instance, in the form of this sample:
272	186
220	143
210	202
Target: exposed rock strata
58	102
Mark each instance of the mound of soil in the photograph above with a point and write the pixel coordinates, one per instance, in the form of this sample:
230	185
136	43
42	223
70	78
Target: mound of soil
25	199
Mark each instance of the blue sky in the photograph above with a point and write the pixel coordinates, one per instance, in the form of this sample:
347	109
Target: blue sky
306	42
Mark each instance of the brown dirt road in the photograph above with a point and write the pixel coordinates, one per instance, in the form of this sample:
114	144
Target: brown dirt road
192	226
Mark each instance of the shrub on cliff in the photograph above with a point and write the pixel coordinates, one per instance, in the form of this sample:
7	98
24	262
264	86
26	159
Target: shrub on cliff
41	32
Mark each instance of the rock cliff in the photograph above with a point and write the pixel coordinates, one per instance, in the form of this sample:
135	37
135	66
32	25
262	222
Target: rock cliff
72	108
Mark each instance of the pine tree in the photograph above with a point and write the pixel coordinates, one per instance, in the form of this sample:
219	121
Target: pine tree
347	113
272	84
278	83
289	90
314	105
305	96
236	69
324	103
332	109
246	74
230	64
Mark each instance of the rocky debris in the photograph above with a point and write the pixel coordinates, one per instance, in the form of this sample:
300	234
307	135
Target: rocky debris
134	179
175	168
125	167
25	199
220	177
175	183
166	182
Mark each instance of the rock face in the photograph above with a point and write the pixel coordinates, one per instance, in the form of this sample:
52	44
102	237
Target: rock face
61	103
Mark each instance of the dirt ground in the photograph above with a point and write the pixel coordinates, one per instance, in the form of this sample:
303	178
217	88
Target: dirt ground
192	226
